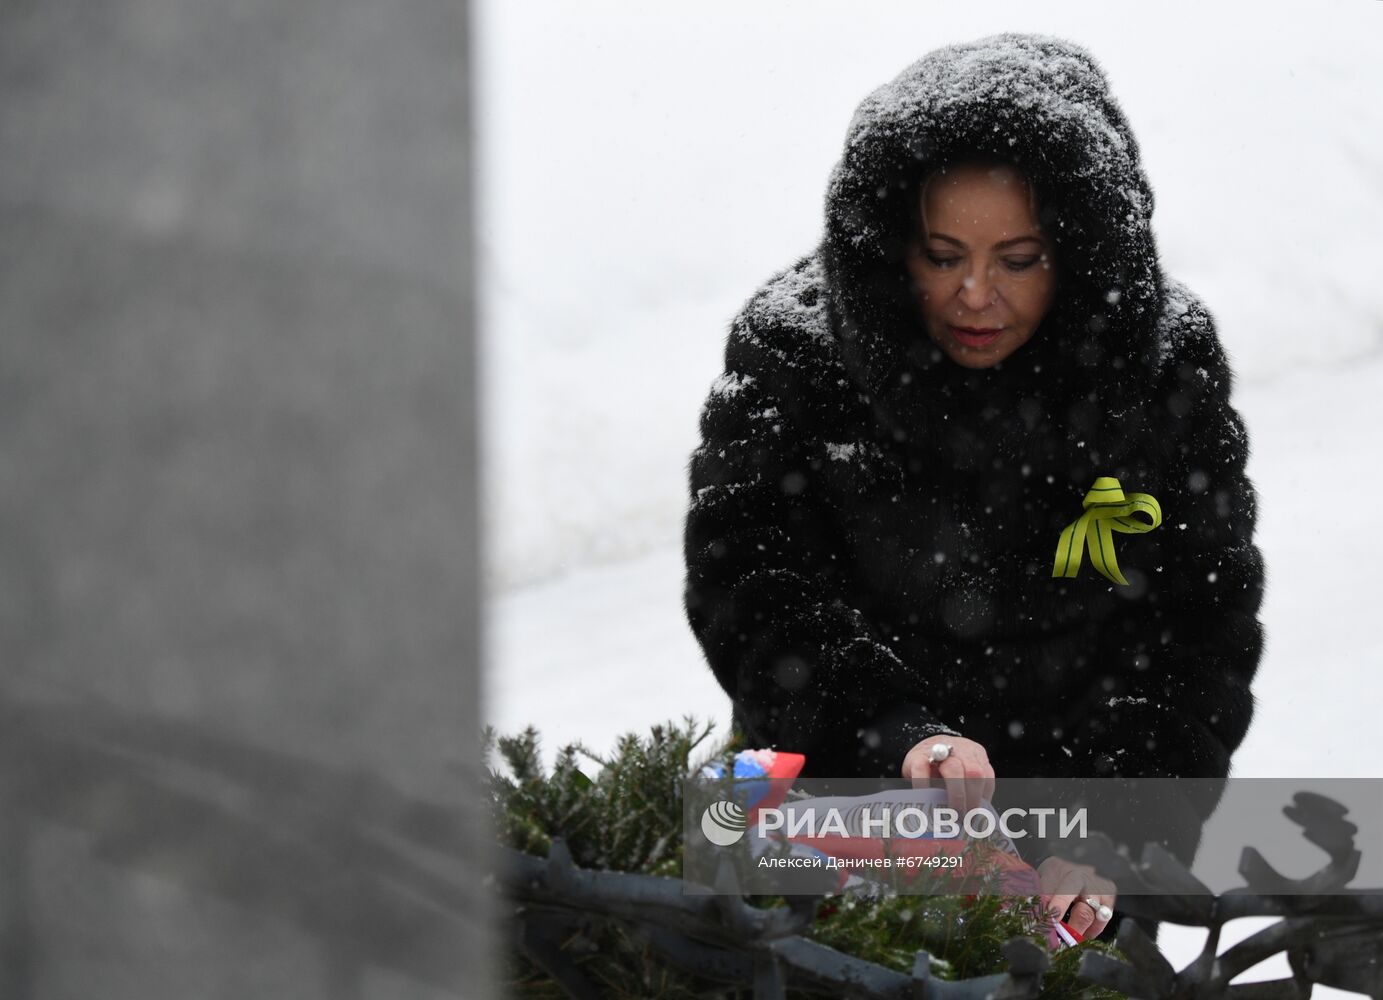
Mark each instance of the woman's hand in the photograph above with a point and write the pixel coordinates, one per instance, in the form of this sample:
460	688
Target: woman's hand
1066	884
968	774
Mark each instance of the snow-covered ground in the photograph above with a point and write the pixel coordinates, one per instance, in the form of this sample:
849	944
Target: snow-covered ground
644	168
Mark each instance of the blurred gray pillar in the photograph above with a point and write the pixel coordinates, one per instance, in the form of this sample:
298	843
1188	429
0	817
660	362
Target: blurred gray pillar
238	712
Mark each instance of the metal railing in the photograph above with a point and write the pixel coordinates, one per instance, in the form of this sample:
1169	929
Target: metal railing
1330	934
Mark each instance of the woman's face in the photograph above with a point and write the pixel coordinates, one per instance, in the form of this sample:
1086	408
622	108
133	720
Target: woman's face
982	268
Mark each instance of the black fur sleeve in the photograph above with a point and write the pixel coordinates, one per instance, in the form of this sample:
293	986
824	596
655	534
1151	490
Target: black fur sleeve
762	591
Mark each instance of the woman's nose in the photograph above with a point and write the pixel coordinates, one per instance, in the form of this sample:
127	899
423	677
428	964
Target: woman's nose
977	288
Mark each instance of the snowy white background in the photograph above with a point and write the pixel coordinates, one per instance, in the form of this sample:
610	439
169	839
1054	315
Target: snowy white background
644	168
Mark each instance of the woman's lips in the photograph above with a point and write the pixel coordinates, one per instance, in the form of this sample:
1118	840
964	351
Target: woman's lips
972	337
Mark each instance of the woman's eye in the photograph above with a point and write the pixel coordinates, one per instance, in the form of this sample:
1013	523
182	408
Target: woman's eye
942	262
1019	263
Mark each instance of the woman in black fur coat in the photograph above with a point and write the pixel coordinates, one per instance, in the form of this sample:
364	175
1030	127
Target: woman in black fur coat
911	416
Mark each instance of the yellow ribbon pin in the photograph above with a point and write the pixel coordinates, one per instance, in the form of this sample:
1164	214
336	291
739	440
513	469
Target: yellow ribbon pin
1108	510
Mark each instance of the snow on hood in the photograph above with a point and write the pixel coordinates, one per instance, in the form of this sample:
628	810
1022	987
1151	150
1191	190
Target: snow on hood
1044	104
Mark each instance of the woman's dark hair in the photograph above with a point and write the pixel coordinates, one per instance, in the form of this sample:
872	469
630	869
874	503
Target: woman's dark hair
918	194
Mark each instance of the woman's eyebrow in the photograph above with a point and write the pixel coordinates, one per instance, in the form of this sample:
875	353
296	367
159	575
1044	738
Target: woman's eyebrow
1002	244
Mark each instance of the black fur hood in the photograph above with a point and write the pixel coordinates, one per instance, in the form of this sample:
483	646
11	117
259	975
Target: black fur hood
1043	104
